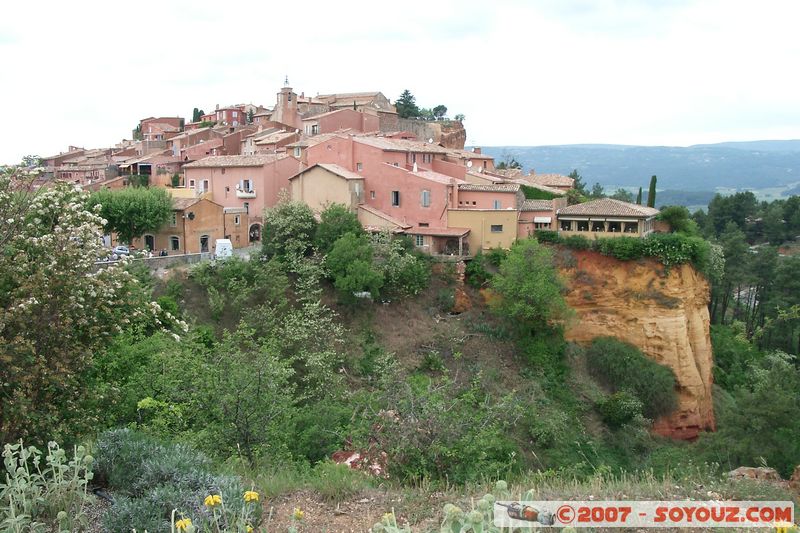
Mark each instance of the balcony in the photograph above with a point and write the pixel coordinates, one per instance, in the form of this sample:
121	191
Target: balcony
243	193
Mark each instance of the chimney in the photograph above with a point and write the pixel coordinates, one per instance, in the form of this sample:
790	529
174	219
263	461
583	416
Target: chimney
476	150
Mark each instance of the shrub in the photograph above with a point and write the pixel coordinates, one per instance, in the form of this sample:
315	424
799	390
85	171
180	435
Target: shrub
546	235
289	229
151	479
335	482
577	242
619	408
622	248
476	273
495	256
623	367
335	221
351	266
34	495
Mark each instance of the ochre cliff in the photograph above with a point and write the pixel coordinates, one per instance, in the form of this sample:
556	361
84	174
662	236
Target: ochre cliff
450	134
664	315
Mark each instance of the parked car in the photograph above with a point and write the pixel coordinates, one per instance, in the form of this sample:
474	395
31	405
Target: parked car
121	250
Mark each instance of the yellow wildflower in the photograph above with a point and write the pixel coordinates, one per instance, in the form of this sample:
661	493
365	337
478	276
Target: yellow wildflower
251	496
298	513
249	528
183	524
212	500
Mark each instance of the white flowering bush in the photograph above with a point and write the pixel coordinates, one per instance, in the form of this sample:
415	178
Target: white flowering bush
56	307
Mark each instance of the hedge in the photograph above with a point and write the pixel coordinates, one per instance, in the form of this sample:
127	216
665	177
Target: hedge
669	248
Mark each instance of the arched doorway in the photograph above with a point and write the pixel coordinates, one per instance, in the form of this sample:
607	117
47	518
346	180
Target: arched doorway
204	242
255	232
149	242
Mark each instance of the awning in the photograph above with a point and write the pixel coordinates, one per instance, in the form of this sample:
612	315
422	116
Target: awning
542	220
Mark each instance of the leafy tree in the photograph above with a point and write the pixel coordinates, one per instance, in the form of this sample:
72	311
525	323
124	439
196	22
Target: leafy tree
439	111
639	197
679	220
31	161
508	162
574	196
651	194
350	264
250	115
625	368
406	105
403	272
529	288
196	114
132	212
623	195
597	191
460	117
578	184
761	422
56	310
335	221
289	230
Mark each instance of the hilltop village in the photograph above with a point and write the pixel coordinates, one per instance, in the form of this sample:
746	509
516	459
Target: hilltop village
405	176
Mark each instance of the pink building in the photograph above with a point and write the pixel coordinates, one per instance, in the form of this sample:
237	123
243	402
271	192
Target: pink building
230	116
342	119
251	182
160	128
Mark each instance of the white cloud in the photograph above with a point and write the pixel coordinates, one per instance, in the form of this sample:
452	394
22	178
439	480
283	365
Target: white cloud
545	72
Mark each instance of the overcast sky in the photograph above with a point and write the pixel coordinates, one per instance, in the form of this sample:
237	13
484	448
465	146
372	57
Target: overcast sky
532	72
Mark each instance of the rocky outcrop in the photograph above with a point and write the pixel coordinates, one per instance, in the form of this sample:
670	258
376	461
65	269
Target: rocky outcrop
448	133
664	314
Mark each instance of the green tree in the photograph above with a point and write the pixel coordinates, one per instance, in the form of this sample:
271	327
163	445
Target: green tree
439	112
597	191
639	197
56	310
196	114
350	264
460	117
406	105
289	230
623	195
679	220
529	288
578	184
335	221
134	211
250	115
31	161
651	194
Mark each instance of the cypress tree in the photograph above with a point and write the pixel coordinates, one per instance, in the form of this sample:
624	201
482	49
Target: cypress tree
651	195
639	197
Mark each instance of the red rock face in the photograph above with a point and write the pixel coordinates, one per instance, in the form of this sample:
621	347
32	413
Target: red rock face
664	314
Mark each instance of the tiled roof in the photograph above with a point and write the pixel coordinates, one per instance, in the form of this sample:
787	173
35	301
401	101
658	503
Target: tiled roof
179	204
435	176
551	190
608	207
551	180
489	187
218	161
537	205
340	171
466	154
313	141
384	216
400	145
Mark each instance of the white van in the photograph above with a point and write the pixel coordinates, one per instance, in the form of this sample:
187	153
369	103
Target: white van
224	249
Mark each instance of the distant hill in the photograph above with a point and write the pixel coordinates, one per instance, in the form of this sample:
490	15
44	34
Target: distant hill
739	165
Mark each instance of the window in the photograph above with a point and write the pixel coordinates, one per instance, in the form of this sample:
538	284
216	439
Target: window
497	204
411	158
223	168
427	158
314	129
174	221
237	219
174	244
235	114
395	198
247	206
359	167
473	202
426	198
205	185
419	240
497	228
246	186
297	151
372	194
423	224
191	184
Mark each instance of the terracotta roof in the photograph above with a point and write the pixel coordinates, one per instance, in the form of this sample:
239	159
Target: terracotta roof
537	205
487	177
400	145
438	232
489	187
273	137
466	154
551	180
380	214
609	207
218	161
545	188
313	141
335	169
434	176
179	204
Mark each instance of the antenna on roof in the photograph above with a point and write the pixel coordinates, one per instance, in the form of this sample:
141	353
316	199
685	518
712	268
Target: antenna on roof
286	81
430	140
